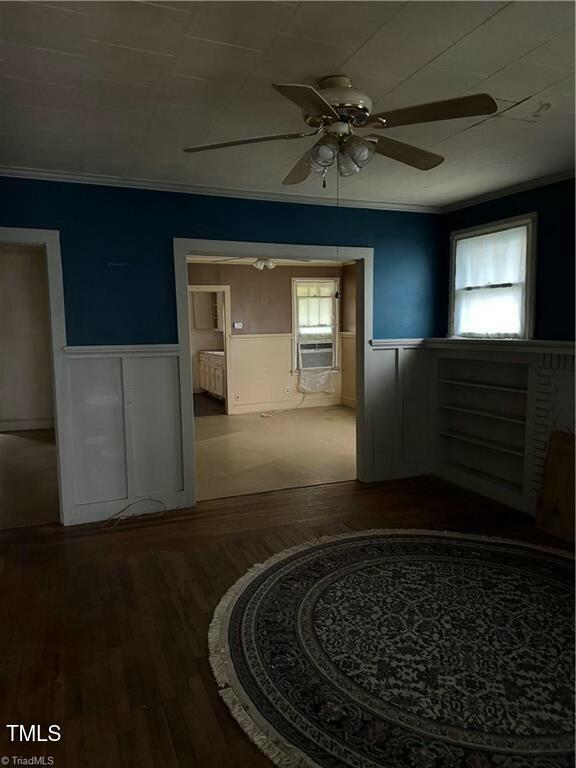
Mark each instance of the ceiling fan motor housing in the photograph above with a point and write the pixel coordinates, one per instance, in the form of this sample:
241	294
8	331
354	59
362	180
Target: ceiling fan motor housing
352	105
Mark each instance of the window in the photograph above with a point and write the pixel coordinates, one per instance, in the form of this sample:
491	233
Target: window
491	274
315	322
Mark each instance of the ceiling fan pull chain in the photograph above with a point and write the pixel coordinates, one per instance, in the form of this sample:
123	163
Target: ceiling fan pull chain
324	172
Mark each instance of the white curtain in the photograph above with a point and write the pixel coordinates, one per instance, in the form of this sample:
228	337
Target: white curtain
491	260
315	306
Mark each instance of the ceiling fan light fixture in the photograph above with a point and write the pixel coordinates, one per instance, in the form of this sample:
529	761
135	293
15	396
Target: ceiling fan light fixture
260	264
359	150
347	166
323	154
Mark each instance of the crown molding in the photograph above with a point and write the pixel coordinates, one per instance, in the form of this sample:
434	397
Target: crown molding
190	189
543	181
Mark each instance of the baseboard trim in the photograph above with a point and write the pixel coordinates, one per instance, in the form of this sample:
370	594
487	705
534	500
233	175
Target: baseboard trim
21	425
324	402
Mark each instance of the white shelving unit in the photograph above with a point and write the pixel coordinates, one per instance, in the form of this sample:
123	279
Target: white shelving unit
481	424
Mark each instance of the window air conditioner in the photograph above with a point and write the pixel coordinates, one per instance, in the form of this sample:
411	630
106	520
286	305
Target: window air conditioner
316	354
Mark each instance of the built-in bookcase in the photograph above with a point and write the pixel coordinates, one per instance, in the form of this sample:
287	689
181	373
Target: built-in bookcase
481	421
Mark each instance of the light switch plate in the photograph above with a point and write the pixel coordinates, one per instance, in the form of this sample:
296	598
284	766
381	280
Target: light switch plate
238	326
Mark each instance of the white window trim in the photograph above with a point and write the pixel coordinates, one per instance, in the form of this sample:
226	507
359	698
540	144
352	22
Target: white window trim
530	222
295	362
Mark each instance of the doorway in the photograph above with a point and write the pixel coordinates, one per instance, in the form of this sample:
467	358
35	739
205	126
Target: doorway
275	437
209	326
28	455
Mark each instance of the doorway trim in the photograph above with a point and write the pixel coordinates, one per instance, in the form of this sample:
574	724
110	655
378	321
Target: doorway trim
227	333
365	360
49	239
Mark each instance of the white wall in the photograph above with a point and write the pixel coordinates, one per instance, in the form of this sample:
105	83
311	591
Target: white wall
26	390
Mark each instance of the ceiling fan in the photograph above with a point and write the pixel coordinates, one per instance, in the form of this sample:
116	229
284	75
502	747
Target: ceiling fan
336	108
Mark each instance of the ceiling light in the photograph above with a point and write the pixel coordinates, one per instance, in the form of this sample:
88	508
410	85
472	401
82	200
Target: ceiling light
347	166
323	154
359	150
261	263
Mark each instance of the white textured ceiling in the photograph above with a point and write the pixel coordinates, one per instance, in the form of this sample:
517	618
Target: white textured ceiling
116	89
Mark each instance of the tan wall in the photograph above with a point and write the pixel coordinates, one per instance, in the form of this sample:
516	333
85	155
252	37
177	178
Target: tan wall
260	370
348	290
348	365
261	300
25	355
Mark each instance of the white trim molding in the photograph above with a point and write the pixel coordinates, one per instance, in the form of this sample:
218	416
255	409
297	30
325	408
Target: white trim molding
514	346
515	189
191	189
49	239
37	174
123	349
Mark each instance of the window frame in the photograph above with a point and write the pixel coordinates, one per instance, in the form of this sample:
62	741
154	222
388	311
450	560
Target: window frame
530	221
295	280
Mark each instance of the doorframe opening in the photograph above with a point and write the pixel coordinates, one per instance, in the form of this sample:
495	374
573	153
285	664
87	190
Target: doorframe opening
49	240
185	248
227	331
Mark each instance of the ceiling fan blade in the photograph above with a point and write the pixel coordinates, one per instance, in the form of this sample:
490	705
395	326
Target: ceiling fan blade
466	106
307	98
252	140
406	153
300	172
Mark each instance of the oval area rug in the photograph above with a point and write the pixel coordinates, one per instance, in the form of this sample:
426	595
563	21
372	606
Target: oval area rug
402	649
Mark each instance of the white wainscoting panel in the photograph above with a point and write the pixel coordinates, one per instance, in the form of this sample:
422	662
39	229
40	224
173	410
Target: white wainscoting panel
97	424
153	420
125	430
404	392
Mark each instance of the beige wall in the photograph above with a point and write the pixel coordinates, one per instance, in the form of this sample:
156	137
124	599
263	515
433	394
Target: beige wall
25	355
261	300
260	355
261	371
348	366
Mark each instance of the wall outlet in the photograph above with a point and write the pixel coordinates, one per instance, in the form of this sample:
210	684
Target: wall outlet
237	325
288	390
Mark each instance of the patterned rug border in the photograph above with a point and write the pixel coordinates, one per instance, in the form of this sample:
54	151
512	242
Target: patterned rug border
259	730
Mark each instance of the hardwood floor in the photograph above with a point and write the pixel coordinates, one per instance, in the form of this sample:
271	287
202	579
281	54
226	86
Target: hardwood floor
28	478
103	632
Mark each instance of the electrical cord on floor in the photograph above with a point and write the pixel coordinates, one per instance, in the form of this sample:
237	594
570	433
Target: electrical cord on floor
266	414
122	514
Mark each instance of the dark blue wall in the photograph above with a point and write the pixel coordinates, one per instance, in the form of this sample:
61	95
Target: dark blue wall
554	205
118	262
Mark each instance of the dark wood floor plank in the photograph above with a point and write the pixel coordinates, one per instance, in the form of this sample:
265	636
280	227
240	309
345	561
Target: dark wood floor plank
104	632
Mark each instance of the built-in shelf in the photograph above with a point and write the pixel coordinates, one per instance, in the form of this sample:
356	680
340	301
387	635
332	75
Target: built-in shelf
484	476
480	385
482	412
491	444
